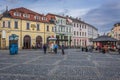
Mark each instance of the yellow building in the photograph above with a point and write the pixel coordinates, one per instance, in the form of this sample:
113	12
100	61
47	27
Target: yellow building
33	29
116	31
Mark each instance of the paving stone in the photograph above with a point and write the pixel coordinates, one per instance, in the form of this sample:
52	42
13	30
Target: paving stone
14	60
77	63
4	65
78	57
109	72
11	77
104	59
81	72
74	65
112	64
28	69
44	61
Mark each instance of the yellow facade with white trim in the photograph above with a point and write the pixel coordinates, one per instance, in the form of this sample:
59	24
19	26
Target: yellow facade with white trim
21	31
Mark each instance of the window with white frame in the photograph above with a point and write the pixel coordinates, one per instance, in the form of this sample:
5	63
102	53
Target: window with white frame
37	17
26	15
16	24
7	24
47	28
38	27
17	14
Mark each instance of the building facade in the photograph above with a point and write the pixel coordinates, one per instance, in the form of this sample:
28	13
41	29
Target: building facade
115	31
79	37
92	33
32	29
83	33
62	29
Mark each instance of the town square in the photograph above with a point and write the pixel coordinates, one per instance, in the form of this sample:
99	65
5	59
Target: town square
59	40
74	65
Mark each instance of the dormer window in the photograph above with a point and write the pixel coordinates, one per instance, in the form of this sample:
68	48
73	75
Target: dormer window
37	17
17	14
26	15
44	18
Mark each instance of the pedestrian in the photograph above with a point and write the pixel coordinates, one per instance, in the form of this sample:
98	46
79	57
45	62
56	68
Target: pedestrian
118	47
55	48
62	48
45	48
82	49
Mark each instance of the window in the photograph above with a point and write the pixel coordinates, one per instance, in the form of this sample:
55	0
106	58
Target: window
8	24
74	32
26	15
66	29
52	29
47	28
77	33
38	27
17	14
85	26
74	24
61	21
55	29
69	29
80	33
3	23
28	26
85	33
80	26
16	25
37	17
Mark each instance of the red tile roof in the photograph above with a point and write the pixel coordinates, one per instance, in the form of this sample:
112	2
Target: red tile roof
23	10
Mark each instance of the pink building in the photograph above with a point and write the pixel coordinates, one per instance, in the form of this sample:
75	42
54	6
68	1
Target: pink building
80	34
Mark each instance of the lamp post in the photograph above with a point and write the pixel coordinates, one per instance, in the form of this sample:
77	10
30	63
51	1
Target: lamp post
44	33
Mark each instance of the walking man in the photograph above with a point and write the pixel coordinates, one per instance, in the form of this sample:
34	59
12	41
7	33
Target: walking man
62	48
45	48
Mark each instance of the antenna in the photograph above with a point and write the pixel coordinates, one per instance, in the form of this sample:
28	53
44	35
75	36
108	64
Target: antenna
6	8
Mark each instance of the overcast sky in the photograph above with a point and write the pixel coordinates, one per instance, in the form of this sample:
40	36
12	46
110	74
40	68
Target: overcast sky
100	13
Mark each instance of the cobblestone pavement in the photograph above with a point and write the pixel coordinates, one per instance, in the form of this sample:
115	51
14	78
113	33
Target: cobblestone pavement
74	65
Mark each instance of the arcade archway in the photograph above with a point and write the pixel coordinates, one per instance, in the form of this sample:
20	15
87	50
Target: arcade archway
27	42
38	42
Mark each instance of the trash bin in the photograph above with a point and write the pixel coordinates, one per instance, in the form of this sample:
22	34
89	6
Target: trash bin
13	49
13	44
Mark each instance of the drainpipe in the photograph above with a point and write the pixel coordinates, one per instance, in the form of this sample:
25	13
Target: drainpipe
44	32
21	35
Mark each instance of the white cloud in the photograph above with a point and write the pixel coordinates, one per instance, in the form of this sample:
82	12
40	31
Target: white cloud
77	12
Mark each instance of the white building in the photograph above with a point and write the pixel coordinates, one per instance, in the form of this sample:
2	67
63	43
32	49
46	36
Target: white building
83	33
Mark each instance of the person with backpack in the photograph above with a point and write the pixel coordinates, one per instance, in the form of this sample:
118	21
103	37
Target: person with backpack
55	48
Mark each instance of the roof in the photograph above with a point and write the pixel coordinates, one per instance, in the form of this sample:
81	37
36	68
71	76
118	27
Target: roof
5	14
105	38
22	9
56	15
76	20
79	21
